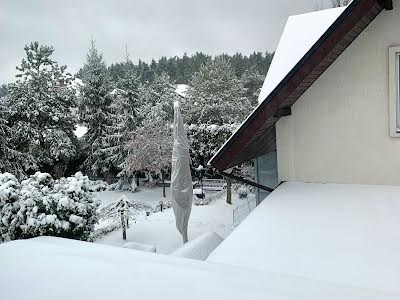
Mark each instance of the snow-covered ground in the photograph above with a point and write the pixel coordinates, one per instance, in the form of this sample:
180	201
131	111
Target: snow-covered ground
52	268
159	229
340	233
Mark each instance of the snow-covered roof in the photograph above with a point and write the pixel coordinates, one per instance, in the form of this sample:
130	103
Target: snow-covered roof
344	234
52	268
300	34
309	45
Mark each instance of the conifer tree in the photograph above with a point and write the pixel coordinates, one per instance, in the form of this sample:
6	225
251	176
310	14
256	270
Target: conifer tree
216	95
11	160
40	109
127	100
158	98
252	81
98	113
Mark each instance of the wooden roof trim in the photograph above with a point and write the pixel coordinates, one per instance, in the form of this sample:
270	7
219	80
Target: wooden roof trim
324	52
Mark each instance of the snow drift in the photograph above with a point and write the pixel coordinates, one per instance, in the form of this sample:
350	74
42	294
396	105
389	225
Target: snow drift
199	248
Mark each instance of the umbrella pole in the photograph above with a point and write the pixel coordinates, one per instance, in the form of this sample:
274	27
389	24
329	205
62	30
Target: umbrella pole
185	236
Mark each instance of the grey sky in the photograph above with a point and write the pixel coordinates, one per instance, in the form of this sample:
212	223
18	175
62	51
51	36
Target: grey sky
151	29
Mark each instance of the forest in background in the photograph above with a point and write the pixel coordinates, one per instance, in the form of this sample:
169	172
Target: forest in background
127	109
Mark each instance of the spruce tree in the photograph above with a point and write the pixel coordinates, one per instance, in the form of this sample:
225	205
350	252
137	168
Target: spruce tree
40	109
98	113
126	102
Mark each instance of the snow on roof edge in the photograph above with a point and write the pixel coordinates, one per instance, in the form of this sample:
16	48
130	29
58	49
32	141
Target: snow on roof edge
303	30
342	9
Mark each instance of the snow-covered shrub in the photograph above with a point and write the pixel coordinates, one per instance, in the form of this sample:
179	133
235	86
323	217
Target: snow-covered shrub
9	194
243	192
98	185
77	205
124	185
206	139
64	208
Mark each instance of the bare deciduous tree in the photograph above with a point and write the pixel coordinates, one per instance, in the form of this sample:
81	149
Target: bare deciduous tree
149	149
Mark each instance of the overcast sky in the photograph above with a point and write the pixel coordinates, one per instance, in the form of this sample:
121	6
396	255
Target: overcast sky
150	28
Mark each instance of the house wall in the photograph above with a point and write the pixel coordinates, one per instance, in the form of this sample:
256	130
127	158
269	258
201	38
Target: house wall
339	128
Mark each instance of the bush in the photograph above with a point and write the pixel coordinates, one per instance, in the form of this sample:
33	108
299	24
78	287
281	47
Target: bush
9	206
98	186
43	206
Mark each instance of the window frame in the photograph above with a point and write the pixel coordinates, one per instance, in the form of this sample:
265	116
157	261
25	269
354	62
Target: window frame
394	91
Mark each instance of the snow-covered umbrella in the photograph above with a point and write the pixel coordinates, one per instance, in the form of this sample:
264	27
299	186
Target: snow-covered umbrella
181	179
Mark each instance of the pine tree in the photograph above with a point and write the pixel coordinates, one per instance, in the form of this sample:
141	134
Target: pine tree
98	114
216	95
40	109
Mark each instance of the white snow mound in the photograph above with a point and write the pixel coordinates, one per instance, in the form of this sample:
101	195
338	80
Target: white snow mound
199	248
139	247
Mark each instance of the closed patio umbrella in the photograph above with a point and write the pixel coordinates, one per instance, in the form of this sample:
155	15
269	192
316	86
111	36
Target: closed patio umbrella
181	179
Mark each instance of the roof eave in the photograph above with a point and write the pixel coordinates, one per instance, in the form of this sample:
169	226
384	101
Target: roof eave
265	115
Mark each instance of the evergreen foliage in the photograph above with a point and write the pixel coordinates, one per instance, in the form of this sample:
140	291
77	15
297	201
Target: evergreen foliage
181	69
158	98
205	140
40	110
98	114
216	95
41	205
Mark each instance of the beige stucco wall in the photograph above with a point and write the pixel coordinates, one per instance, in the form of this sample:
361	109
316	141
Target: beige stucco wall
339	129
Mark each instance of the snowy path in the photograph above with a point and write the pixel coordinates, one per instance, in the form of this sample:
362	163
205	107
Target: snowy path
159	228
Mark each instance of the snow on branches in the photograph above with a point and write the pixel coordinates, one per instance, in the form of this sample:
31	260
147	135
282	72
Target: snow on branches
41	205
150	148
216	95
123	210
40	107
205	139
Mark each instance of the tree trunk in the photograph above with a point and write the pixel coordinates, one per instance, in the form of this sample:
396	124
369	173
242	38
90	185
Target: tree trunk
163	183
228	190
137	178
123	223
